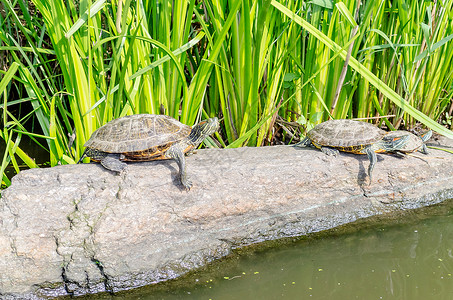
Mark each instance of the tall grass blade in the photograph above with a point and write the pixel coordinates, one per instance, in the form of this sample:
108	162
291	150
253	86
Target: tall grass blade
366	73
94	9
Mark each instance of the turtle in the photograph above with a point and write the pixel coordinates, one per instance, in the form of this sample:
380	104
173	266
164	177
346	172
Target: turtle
145	137
415	143
352	136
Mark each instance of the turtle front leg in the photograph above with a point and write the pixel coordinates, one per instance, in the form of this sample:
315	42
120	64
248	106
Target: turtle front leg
177	154
373	158
424	149
425	137
112	162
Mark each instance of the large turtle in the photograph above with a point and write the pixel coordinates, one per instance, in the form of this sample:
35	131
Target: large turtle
146	137
353	136
415	143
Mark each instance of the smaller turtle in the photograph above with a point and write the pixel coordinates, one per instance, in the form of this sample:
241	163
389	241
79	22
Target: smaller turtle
415	143
353	136
146	137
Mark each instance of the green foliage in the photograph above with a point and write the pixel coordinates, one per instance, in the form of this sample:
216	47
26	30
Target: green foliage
77	65
396	99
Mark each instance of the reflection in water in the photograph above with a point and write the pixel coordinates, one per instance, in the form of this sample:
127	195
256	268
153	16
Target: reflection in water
411	261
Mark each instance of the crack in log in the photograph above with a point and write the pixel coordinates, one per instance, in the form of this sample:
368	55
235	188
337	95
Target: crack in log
100	266
66	282
80	241
15	217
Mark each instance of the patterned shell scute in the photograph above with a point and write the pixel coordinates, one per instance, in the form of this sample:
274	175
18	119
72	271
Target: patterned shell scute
345	133
137	133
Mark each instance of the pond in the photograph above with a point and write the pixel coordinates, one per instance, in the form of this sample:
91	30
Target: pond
409	258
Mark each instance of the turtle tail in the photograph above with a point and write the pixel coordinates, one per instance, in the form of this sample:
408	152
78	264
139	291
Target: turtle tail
306	142
84	154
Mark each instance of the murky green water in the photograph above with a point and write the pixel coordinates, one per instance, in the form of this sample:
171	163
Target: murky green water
410	259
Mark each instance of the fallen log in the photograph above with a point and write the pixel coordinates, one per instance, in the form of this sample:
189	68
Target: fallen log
78	229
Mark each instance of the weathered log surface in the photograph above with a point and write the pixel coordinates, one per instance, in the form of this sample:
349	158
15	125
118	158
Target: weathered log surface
81	229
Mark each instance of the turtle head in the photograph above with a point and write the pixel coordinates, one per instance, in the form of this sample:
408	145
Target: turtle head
426	136
203	129
394	141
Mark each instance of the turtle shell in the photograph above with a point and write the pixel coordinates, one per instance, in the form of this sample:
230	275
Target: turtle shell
345	135
138	136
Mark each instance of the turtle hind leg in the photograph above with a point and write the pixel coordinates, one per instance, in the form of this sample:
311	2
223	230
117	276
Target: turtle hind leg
112	162
330	151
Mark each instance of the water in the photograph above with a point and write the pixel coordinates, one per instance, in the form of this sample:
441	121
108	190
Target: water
411	258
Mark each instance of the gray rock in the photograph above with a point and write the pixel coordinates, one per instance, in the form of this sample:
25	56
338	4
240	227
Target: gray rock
80	229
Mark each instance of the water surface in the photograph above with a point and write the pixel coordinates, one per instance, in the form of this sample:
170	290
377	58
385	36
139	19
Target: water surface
410	258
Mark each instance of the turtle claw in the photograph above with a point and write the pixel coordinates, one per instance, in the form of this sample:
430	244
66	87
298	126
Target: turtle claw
186	183
123	173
